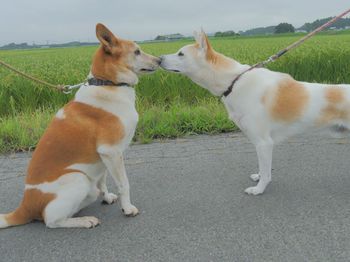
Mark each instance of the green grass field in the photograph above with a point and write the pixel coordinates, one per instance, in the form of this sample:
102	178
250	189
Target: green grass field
169	105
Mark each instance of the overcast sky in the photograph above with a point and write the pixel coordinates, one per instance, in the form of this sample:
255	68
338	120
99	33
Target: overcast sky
59	21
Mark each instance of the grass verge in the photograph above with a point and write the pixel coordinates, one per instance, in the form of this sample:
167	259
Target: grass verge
22	131
170	105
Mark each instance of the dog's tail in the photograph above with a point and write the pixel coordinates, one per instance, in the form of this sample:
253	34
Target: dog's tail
18	217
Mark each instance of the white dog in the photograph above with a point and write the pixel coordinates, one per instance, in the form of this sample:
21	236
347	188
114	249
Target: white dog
86	140
267	106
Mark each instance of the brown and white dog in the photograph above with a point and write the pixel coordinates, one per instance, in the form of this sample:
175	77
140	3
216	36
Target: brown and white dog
267	106
85	141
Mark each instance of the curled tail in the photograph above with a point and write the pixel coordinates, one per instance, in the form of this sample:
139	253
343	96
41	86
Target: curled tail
15	218
32	207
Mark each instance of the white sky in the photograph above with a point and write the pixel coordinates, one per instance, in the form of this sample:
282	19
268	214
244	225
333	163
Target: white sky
59	21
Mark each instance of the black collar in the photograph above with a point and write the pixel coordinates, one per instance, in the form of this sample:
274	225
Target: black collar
229	89
100	82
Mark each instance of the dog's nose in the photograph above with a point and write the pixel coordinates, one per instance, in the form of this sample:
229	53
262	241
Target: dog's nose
159	61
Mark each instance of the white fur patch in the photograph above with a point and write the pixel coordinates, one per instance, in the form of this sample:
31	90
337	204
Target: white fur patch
120	103
58	184
93	171
60	114
3	222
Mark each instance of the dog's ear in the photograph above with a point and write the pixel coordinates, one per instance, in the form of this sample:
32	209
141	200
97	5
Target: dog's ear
202	40
107	39
196	37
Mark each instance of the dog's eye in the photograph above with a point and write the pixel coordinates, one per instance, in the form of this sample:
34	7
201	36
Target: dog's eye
137	52
180	54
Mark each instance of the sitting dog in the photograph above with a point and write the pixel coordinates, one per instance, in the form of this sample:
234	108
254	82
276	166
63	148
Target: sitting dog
267	106
86	140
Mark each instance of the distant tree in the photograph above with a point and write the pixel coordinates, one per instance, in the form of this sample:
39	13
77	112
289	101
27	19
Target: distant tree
229	33
160	37
284	28
341	23
226	33
259	31
16	46
308	27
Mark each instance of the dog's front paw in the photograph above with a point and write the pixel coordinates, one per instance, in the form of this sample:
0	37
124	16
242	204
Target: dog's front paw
255	177
109	198
130	211
254	190
89	222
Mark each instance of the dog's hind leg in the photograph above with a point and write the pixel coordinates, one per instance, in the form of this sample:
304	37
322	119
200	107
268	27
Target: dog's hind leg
108	198
70	196
264	151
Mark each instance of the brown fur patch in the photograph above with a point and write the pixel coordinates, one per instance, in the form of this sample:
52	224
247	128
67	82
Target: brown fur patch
290	101
211	55
331	112
71	140
335	109
335	95
32	207
218	60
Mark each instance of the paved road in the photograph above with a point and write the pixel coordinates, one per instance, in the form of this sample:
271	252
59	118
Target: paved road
190	194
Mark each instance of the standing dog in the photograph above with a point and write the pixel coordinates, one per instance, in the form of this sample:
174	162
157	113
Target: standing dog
86	140
267	106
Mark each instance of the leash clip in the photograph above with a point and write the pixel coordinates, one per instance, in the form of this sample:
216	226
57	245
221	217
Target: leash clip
69	89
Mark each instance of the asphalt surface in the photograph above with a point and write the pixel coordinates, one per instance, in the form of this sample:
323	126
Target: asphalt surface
193	208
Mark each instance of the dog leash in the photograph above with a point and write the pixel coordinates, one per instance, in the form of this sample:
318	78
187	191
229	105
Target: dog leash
66	89
283	51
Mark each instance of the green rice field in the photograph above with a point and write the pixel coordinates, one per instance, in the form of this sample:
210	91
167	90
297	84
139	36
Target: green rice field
170	105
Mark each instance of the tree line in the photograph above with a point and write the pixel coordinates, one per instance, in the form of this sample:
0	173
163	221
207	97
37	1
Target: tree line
288	28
